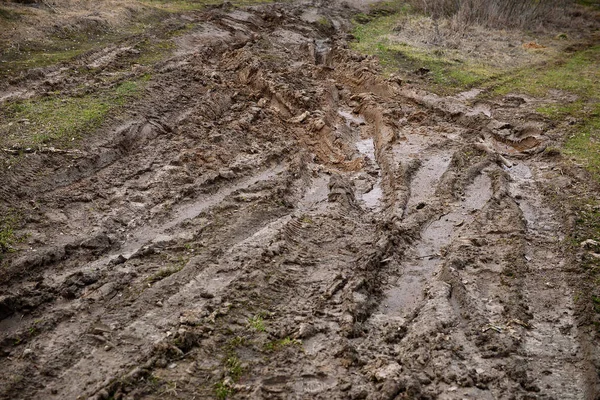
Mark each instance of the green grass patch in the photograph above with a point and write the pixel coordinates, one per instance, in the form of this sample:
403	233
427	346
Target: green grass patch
257	323
448	72
584	144
9	222
223	391
61	120
234	367
281	344
191	5
577	73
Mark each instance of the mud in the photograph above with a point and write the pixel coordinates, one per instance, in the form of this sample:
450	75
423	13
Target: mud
276	219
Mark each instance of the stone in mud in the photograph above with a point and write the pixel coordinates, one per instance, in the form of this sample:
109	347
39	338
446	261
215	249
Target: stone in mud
306	331
388	372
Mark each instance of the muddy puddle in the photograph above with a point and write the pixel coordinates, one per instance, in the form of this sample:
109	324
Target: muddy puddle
372	197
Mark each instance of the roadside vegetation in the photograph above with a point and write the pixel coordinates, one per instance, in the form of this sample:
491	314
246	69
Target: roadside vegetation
9	221
61	120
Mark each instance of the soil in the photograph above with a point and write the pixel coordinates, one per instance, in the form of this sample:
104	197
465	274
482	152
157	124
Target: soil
276	219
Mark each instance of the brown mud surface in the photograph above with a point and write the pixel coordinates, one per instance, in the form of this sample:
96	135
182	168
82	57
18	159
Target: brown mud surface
274	219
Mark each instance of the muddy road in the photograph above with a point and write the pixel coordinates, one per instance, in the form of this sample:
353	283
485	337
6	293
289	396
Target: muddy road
275	218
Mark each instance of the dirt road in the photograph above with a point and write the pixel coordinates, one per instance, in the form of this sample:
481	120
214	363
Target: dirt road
276	219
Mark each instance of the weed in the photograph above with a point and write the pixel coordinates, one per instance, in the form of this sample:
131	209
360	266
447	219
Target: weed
222	391
236	342
234	367
257	323
279	344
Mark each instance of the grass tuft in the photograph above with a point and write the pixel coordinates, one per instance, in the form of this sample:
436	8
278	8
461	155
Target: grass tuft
8	237
257	323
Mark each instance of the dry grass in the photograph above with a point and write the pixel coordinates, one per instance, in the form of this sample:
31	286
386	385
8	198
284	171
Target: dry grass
495	13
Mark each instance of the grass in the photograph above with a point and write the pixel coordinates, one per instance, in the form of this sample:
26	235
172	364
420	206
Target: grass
8	238
49	51
257	323
222	391
283	343
234	367
60	120
577	75
449	73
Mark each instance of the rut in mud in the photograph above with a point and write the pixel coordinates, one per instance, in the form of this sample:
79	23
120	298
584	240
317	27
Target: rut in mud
277	220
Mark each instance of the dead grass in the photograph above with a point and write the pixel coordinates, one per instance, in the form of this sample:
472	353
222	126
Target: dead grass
448	60
495	13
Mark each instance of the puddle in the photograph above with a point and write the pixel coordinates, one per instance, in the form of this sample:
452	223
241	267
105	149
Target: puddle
372	198
407	292
366	147
351	118
515	147
538	217
411	145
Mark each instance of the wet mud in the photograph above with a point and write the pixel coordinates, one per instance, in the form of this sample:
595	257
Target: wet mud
276	219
